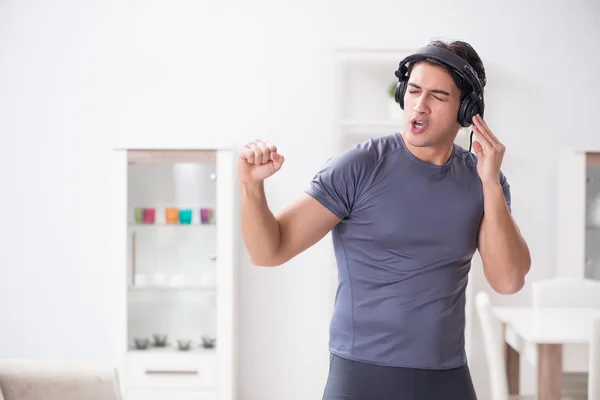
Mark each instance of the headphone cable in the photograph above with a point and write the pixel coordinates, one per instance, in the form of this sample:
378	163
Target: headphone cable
471	140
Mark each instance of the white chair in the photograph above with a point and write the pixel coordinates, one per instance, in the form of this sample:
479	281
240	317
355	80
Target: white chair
50	380
493	349
594	374
562	292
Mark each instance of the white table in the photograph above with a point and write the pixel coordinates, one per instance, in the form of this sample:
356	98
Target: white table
547	329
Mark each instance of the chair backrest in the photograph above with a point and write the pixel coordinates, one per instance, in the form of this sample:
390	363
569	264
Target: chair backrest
492	347
566	292
594	370
49	380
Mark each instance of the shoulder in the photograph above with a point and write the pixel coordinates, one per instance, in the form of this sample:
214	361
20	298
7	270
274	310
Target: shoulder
367	154
470	160
466	157
343	179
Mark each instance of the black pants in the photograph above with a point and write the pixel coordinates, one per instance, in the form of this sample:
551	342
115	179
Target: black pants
352	380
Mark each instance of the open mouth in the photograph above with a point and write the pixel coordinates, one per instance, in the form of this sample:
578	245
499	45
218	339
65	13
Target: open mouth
418	125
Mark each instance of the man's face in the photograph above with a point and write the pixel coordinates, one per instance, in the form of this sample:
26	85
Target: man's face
431	106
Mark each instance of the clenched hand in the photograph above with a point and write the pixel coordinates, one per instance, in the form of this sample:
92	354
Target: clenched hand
257	161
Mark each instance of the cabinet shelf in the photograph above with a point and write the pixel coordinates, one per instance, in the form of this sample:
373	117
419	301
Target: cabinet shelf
195	349
164	225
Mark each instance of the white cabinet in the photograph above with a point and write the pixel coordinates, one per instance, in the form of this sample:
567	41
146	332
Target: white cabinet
174	270
578	218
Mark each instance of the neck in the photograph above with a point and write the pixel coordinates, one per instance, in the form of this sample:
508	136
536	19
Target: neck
437	155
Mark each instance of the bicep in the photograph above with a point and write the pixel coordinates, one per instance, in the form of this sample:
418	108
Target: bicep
301	225
481	237
481	234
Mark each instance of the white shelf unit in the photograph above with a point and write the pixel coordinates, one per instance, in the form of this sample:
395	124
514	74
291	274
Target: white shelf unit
362	106
578	202
364	109
175	277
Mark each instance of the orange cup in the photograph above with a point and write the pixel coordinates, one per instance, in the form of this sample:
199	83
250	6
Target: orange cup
172	215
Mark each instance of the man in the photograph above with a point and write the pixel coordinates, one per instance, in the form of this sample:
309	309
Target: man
407	212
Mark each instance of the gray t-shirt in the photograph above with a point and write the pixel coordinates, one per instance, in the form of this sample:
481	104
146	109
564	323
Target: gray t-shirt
404	246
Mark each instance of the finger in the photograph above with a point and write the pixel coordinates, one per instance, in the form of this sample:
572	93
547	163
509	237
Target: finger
265	152
248	154
257	158
497	144
271	146
483	139
278	160
478	149
274	156
483	127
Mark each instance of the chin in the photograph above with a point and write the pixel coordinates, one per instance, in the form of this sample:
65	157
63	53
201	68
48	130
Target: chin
419	140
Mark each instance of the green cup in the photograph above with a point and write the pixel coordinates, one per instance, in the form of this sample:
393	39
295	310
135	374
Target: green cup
138	215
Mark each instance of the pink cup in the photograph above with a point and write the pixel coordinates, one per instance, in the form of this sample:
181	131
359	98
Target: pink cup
148	215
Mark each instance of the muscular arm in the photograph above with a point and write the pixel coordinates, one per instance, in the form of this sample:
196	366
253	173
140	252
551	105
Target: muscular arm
272	241
504	252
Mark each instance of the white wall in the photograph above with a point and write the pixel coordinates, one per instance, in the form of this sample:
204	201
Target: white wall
79	77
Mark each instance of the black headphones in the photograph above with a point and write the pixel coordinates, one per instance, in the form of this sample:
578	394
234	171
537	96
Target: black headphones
472	103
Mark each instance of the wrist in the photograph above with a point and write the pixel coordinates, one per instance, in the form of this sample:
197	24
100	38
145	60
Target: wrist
491	186
250	187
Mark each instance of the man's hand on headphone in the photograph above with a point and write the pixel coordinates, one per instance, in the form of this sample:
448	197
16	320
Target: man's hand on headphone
489	150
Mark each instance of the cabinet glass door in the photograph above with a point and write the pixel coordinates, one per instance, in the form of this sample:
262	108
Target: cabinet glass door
172	249
592	234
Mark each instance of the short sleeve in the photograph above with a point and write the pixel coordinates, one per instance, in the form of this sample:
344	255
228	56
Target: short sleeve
341	181
506	190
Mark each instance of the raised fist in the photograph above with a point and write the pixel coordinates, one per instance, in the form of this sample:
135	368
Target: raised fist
258	160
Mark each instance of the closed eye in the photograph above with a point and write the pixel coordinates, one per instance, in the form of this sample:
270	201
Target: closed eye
416	91
436	91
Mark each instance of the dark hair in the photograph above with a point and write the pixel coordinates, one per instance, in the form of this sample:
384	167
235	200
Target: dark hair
467	53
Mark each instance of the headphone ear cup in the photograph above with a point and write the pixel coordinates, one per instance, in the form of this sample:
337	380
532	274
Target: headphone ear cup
462	112
399	93
470	106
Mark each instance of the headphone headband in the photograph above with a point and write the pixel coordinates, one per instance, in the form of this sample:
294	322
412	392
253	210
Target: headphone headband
458	64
